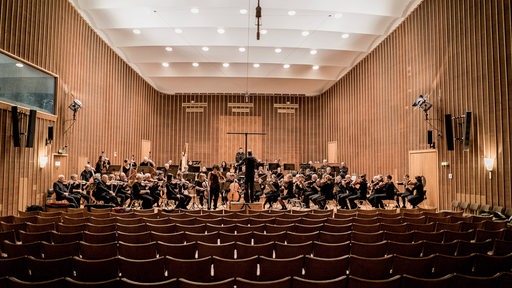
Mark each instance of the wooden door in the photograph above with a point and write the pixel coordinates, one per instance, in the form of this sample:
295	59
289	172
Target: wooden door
59	165
425	163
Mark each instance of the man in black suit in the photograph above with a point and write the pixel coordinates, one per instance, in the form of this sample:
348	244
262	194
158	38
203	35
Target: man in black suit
61	192
240	155
250	167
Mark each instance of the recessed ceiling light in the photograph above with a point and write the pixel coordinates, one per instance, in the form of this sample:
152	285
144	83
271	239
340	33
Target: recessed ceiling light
315	67
178	30
194	10
19	65
136	31
292	12
278	50
225	65
168	49
243	11
195	64
165	64
305	33
241	49
338	15
205	49
264	31
256	65
345	35
313	52
286	66
221	31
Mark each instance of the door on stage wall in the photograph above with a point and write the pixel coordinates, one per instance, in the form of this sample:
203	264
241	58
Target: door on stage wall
424	163
332	152
145	150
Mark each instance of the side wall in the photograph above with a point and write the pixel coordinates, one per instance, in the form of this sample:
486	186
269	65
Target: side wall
459	53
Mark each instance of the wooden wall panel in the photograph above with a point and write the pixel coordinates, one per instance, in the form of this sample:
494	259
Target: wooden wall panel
459	53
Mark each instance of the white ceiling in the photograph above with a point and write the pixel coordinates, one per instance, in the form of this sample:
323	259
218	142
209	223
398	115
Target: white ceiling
366	22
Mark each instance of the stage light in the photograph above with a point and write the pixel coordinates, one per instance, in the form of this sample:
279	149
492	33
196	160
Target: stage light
75	106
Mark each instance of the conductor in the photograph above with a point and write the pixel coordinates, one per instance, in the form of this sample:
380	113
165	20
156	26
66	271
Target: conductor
250	166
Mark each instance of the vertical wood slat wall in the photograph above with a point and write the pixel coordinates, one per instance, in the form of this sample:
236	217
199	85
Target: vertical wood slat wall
120	108
459	53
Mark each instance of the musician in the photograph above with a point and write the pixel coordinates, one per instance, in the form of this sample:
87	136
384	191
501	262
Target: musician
343	169
140	192
87	173
122	191
230	178
300	186
346	191
214	182
377	188
200	188
102	193
147	162
419	196
61	192
158	184
408	184
224	167
325	193
275	190
250	165
239	157
181	186
102	164
361	191
279	173
311	167
288	191
328	171
311	190
172	193
324	164
76	188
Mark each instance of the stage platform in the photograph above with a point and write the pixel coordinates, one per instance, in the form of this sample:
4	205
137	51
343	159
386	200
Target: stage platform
242	206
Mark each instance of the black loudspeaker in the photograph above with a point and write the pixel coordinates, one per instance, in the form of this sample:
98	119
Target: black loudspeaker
430	141
31	128
15	126
466	138
449	131
49	138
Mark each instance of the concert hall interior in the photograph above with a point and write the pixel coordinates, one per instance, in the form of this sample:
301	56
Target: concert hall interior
455	52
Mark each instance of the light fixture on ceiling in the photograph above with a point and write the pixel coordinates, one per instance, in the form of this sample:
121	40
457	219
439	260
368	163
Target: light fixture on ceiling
240	105
194	107
241	49
195	64
278	50
345	35
19	65
338	15
178	30
243	11
305	33
136	31
258	20
194	10
287	108
205	48
165	64
292	13
221	31
168	49
264	31
313	52
75	106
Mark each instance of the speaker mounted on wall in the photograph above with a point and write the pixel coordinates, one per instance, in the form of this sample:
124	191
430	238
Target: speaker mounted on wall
430	139
449	132
15	126
31	128
49	137
466	136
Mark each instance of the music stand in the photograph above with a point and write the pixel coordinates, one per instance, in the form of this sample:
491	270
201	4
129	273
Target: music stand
144	169
113	169
190	177
289	167
193	169
173	169
273	166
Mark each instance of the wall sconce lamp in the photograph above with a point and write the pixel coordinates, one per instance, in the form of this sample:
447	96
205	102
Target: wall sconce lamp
489	165
43	160
57	164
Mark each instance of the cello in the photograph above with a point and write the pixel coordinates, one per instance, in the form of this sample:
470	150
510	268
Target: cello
234	192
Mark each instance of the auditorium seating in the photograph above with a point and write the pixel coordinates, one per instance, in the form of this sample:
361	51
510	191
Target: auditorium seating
419	245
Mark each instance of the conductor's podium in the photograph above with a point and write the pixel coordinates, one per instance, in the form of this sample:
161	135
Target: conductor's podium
243	206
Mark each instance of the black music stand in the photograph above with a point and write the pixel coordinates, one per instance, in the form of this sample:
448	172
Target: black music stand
173	169
144	169
273	166
193	169
289	167
112	169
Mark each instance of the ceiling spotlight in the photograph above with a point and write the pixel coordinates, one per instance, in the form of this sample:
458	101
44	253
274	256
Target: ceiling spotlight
165	64
345	35
19	65
305	33
194	10
278	50
205	48
423	103
313	52
178	30
221	31
75	106
243	11
264	31
315	67
292	12
286	66
241	49
256	65
195	64
338	15
225	65
168	49
136	31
